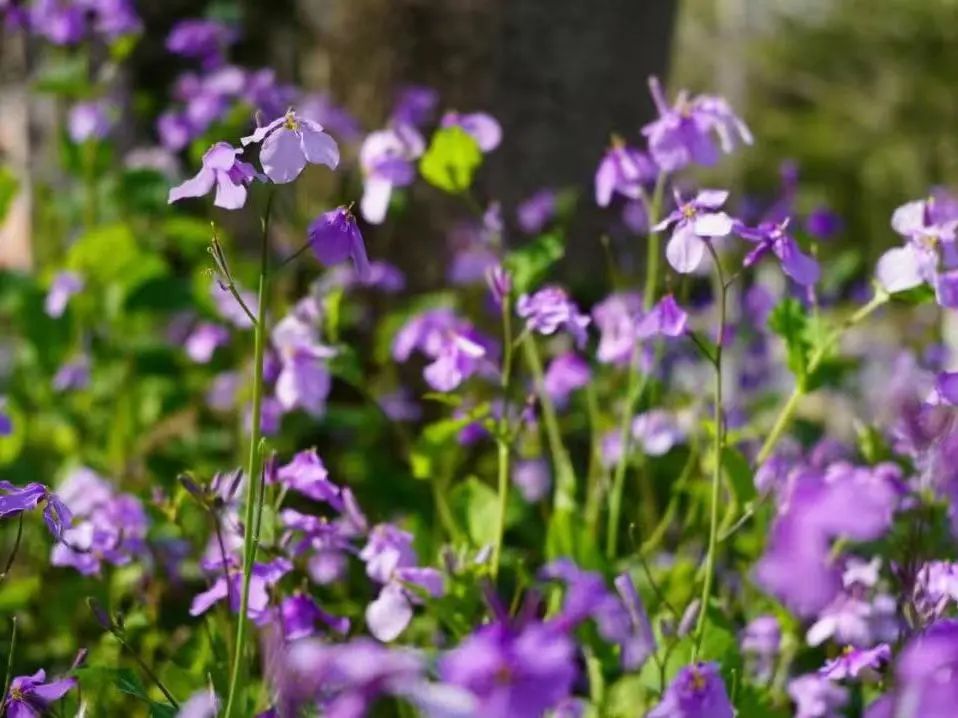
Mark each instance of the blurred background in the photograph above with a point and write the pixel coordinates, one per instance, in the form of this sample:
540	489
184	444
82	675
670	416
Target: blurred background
857	93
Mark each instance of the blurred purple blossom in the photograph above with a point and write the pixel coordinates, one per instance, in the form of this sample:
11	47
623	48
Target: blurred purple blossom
64	285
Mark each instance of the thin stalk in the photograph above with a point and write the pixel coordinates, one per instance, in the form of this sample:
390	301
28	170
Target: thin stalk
149	672
636	383
565	475
719	446
253	495
595	474
13	552
503	439
13	645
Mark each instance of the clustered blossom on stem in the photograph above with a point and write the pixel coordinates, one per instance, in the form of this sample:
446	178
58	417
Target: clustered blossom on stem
222	170
694	223
387	161
550	309
624	171
289	143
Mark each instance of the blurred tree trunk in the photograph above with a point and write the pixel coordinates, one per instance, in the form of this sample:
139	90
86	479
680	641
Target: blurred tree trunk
560	75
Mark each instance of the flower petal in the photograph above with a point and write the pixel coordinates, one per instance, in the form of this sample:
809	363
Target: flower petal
196	186
229	195
375	201
282	156
685	249
899	269
318	147
389	614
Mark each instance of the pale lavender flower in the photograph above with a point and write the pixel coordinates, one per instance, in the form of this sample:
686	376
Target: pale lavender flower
617	318
482	127
203	341
566	373
304	379
415	105
202	704
335	237
73	374
683	132
535	212
455	347
263	576
289	142
533	479
623	170
657	431
221	169
760	643
201	39
174	130
694	223
64	285
300	613
319	107
89	121
550	309
665	319
928	226
387	160
817	697
307	475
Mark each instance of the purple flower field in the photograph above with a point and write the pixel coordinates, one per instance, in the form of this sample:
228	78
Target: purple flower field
249	466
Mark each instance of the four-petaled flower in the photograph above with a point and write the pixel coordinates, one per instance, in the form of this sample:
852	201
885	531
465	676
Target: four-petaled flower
222	169
623	170
694	223
774	237
289	142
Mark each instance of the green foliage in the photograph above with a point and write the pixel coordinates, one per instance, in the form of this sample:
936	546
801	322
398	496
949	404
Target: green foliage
790	321
451	160
530	263
8	190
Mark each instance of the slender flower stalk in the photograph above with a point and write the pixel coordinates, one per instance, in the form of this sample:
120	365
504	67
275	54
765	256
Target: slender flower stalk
254	495
13	646
564	501
719	448
637	381
503	438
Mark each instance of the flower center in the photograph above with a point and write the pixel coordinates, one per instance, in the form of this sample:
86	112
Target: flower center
16	694
698	681
688	210
291	123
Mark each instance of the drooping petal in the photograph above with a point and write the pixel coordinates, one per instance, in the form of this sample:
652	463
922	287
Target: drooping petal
899	269
228	194
713	224
375	201
605	181
196	186
797	265
55	690
685	249
318	147
389	614
282	156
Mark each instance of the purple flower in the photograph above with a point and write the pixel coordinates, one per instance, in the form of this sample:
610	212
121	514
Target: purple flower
500	283
623	170
694	223
927	225
566	373
173	130
107	526
304	379
665	319
513	671
617	318
386	158
415	105
936	587
89	121
201	39
924	686
14	500
30	696
391	612
696	692
551	308
761	641
387	550
823	223
483	128
289	142
73	375
532	478
202	704
855	662
535	212
773	237
307	475
683	132
222	169
62	288
230	585
638	641
319	107
62	23
657	431
454	346
204	340
335	238
300	613
817	697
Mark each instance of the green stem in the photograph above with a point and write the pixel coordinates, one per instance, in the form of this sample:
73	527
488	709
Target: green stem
595	474
719	446
149	672
13	552
636	383
253	495
13	645
503	438
564	499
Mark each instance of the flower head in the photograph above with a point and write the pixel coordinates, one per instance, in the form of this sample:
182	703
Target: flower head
335	237
698	691
856	662
551	308
30	696
773	237
816	696
89	121
535	212
683	133
201	39
62	288
222	169
623	170
289	142
14	500
694	223
387	158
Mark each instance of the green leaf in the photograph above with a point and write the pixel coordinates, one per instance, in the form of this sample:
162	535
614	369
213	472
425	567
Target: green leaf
451	160
790	321
922	294
110	255
436	440
8	190
530	263
739	474
477	506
